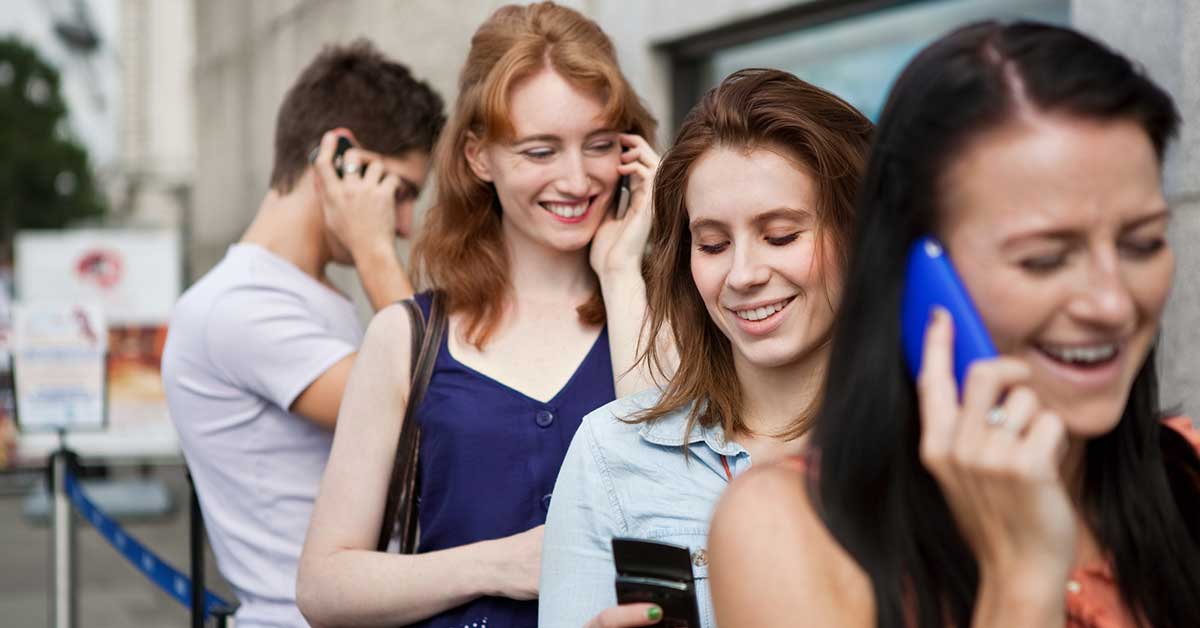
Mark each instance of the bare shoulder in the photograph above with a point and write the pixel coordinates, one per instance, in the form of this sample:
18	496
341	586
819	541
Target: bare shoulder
773	559
392	324
389	337
783	482
765	510
378	383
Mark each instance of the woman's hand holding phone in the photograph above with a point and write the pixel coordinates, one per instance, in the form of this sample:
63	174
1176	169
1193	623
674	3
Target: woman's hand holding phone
620	243
359	205
626	616
999	469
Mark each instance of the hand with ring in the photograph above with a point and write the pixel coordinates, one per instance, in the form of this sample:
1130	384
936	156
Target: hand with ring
996	416
996	457
359	210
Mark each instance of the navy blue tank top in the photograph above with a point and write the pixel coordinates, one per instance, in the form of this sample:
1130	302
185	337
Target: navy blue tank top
489	459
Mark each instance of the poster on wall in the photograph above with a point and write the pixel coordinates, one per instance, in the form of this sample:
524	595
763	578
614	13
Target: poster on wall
134	277
58	367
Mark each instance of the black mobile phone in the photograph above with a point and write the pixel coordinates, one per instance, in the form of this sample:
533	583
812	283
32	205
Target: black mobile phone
343	144
659	573
621	197
620	200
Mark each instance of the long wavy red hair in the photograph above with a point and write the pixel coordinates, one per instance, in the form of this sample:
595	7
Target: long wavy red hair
460	250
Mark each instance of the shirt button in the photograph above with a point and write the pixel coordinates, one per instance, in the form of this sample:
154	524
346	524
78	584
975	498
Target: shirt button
700	558
544	418
546	501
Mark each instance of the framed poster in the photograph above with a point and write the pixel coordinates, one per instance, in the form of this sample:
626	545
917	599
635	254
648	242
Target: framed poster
134	278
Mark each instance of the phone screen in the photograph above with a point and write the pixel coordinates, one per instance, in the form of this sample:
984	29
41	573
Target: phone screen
930	280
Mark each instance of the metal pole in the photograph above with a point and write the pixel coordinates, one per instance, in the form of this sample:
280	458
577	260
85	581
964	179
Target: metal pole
197	556
64	610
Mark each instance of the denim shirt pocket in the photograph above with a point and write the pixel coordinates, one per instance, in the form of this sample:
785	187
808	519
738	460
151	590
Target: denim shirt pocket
696	540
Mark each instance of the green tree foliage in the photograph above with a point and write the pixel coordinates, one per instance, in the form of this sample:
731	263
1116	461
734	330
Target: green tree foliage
45	179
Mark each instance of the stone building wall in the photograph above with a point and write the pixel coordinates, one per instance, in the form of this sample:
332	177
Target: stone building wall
247	53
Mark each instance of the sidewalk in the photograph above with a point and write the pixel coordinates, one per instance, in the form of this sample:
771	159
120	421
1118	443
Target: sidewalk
112	593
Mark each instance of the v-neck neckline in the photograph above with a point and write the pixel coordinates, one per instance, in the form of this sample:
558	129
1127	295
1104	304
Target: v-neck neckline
488	378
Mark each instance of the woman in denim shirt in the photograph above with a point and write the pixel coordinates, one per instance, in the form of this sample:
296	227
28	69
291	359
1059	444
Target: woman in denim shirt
753	205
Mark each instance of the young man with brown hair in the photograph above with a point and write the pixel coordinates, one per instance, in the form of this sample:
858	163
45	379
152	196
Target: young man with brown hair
260	348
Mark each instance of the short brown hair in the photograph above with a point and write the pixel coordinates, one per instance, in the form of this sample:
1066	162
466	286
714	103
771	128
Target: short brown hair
461	248
353	86
829	140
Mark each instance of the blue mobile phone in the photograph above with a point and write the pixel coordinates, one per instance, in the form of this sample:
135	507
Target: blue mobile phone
930	280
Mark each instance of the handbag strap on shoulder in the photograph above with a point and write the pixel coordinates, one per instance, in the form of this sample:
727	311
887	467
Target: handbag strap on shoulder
400	512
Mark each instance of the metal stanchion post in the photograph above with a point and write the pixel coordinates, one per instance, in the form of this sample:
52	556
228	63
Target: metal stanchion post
196	538
63	610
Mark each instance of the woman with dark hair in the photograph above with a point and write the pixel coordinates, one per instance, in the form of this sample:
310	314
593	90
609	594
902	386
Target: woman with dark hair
1053	491
544	297
753	206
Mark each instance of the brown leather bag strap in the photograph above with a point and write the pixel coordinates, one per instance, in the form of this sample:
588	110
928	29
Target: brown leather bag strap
400	509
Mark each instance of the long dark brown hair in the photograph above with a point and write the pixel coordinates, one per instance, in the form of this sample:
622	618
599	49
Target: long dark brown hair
750	109
460	250
1140	496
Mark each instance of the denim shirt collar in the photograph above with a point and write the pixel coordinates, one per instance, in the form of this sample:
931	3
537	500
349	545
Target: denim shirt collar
669	431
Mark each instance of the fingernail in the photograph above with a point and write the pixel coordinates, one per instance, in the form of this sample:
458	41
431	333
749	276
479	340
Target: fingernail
654	613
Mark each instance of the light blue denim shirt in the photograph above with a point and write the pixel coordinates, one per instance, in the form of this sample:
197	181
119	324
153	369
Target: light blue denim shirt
629	480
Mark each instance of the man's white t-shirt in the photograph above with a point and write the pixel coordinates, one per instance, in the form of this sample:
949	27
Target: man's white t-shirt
243	343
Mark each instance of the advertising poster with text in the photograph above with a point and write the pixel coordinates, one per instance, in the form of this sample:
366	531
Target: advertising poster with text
134	276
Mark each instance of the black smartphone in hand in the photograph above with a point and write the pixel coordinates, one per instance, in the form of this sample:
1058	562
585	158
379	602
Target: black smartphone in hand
343	144
620	200
621	197
658	573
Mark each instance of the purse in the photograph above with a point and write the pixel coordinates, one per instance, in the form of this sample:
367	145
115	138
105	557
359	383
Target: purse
400	510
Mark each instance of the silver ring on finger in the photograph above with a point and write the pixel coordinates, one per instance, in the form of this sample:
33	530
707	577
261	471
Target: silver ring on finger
351	167
996	417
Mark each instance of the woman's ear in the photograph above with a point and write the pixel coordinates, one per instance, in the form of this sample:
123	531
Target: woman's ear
477	158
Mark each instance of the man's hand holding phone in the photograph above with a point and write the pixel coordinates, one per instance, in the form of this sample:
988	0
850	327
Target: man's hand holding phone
359	205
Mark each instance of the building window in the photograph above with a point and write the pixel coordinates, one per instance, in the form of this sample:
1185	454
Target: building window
853	48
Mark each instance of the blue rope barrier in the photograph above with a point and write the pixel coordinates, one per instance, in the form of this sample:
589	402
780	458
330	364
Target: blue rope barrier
168	578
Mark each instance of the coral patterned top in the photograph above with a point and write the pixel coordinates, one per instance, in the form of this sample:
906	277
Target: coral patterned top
1093	599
